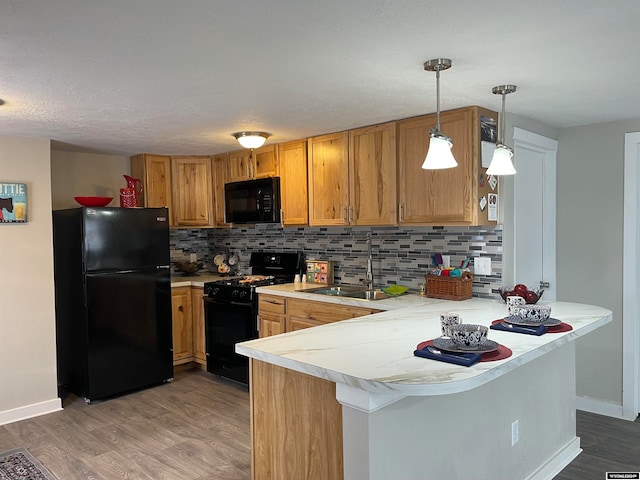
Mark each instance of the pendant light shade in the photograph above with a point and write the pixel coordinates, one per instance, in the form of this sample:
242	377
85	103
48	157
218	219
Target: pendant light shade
501	163
251	139
439	155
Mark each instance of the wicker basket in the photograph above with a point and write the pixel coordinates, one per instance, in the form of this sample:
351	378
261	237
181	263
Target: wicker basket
449	288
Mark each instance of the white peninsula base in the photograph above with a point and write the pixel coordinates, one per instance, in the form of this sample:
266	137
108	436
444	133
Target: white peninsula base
469	434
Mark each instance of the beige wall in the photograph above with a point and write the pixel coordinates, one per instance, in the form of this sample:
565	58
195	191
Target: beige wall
589	245
75	174
27	313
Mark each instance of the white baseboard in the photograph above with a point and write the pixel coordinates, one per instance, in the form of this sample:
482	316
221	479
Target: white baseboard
601	407
560	460
29	411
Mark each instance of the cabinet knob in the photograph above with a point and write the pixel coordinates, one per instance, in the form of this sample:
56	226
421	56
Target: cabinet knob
181	308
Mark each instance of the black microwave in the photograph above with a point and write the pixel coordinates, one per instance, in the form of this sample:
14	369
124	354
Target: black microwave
252	201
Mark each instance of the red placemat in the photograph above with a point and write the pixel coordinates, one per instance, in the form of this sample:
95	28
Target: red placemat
500	354
561	327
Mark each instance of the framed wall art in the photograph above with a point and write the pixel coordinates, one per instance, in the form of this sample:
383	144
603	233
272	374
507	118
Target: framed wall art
13	202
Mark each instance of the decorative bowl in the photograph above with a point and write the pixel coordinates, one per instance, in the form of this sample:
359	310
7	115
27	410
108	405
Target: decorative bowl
530	299
93	201
533	313
468	335
188	267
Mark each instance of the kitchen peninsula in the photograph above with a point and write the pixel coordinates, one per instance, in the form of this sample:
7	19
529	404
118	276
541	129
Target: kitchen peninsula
350	400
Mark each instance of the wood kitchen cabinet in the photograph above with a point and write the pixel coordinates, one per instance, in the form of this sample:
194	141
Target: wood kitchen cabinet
372	175
328	160
280	314
271	314
308	313
192	191
155	173
443	197
352	177
294	194
257	163
181	316
220	177
197	315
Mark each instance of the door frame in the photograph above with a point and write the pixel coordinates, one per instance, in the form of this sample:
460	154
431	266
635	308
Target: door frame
631	279
548	147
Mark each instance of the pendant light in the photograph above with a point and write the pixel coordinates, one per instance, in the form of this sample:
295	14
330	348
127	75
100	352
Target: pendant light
501	163
439	155
251	139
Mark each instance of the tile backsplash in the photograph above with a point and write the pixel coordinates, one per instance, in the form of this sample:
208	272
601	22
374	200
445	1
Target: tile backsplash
402	255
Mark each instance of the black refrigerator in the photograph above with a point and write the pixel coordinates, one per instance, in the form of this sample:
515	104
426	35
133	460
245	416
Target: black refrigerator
113	299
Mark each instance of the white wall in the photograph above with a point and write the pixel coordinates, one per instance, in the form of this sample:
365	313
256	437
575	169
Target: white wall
75	174
589	245
27	313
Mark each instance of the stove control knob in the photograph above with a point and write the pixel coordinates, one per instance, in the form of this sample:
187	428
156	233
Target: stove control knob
243	294
234	293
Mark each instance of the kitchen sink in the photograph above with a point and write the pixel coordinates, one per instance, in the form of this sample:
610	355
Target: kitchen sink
350	291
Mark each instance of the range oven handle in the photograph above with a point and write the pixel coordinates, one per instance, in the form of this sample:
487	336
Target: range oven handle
213	300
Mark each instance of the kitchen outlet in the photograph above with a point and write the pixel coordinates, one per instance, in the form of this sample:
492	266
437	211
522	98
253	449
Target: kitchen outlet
515	433
193	258
482	266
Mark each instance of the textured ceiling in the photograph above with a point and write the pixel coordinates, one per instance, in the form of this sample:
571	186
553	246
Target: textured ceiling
178	77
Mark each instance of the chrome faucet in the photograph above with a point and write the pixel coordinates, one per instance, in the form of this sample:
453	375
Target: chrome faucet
369	281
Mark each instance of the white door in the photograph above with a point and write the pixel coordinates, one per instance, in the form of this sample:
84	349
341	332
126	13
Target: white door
534	212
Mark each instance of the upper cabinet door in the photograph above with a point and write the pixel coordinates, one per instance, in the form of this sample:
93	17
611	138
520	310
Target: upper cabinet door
239	165
294	195
329	179
437	197
372	175
220	177
193	191
264	162
155	173
259	163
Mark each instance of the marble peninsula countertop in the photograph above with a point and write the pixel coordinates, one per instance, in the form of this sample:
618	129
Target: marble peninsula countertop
375	353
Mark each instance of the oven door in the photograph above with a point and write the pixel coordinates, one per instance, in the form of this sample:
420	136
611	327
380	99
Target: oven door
228	323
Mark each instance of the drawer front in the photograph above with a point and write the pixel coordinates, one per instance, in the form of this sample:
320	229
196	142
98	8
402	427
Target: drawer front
271	304
324	312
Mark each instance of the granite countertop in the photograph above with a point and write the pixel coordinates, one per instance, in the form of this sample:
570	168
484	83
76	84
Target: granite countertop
375	353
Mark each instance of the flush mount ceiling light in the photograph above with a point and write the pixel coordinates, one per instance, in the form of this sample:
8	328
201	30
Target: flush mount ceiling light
501	163
251	139
439	155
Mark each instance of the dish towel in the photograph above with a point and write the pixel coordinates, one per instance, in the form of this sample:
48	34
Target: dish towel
510	327
464	359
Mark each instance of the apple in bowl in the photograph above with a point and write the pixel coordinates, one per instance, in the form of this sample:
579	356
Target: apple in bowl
521	290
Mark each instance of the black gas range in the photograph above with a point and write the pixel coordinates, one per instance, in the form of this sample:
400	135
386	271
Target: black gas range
231	310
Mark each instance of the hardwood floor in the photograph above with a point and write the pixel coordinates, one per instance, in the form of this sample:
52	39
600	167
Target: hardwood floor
608	444
197	428
194	428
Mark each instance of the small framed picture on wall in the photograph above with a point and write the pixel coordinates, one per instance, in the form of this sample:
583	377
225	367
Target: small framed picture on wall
13	202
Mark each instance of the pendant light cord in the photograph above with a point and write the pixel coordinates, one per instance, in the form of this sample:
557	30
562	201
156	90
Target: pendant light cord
501	139
438	100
